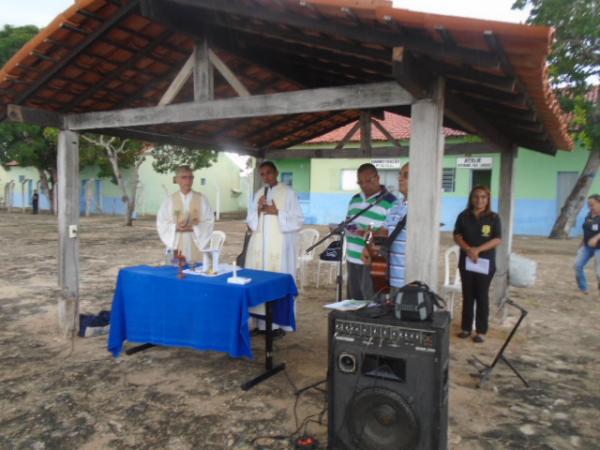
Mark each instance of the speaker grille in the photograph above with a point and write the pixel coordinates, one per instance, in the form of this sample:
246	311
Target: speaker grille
380	419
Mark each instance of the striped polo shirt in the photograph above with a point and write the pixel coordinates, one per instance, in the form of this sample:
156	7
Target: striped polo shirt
375	216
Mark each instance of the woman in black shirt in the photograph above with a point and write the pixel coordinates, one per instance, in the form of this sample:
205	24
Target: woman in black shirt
477	232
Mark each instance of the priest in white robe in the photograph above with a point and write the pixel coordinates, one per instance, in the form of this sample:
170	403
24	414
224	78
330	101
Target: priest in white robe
275	218
185	220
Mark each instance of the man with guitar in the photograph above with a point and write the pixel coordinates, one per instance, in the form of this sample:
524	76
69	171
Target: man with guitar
394	229
376	202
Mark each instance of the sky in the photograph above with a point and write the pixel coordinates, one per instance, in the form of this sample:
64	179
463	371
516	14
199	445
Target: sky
42	12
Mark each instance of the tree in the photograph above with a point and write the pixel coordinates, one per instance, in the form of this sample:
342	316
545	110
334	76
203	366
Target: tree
574	66
31	146
28	145
168	157
112	155
13	38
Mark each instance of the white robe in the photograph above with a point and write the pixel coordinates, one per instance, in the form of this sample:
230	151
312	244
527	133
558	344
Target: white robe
166	224
270	229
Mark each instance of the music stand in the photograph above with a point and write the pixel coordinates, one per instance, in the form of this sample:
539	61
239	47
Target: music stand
485	370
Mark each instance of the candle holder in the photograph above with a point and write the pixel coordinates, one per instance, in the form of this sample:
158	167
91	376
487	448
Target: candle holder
181	263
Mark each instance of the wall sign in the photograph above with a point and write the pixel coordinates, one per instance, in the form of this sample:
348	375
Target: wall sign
387	163
474	162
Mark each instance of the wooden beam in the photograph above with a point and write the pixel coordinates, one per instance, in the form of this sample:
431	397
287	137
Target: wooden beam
487	92
314	130
178	82
426	154
506	209
469	119
362	33
365	132
348	136
406	72
366	96
468	74
68	219
378	152
35	116
387	134
204	84
229	76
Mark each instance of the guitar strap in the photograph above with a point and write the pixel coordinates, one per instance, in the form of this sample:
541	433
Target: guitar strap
392	237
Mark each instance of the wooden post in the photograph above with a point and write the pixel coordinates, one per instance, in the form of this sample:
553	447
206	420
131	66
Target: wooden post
426	153
68	222
203	73
506	201
365	133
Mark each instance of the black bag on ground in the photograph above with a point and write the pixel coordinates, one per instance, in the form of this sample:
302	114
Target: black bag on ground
415	301
333	252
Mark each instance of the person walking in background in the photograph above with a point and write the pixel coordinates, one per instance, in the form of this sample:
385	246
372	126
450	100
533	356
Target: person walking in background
590	244
477	232
35	202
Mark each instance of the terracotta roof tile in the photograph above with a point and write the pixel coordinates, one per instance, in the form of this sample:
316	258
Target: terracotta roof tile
398	126
133	59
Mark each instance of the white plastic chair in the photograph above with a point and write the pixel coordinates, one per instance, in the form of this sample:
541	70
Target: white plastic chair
308	237
217	239
451	286
333	265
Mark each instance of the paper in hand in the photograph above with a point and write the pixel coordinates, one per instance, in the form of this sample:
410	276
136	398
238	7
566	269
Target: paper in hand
481	266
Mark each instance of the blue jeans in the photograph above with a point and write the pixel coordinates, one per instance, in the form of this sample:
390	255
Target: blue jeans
584	254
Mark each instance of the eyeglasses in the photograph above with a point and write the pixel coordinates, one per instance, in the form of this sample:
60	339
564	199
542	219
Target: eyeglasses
367	181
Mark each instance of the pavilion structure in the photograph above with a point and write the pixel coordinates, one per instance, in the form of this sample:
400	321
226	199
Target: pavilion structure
260	76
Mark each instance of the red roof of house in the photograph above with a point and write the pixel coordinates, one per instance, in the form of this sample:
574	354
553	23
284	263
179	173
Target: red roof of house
398	127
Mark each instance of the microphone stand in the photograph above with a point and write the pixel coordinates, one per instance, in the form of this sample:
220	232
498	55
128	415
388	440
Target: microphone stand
340	230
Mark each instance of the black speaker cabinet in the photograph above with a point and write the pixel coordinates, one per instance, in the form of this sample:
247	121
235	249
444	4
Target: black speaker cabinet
387	382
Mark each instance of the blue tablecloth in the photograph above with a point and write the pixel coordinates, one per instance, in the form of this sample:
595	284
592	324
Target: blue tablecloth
151	305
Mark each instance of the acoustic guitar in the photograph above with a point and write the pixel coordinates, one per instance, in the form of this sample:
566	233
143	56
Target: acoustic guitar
380	271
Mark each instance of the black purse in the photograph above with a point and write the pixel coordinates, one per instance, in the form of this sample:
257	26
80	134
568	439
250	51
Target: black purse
415	302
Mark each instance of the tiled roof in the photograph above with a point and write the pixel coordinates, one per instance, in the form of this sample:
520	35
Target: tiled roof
102	55
398	126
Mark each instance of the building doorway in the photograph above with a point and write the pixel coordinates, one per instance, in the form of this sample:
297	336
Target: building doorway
481	177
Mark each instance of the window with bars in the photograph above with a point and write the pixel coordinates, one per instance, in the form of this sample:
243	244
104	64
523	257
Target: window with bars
448	179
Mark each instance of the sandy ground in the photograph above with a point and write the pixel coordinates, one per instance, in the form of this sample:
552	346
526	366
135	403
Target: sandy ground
58	394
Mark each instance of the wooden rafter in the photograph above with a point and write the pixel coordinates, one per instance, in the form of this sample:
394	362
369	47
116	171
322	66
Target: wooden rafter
364	96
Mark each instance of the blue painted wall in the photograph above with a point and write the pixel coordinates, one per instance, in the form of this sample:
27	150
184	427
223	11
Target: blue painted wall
531	215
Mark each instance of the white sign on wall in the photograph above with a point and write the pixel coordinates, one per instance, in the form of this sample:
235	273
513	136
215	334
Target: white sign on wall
474	162
387	163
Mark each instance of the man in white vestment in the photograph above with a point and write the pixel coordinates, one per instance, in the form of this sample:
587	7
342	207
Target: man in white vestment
275	218
185	220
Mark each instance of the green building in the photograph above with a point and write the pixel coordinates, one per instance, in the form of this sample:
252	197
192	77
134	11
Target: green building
542	181
223	184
